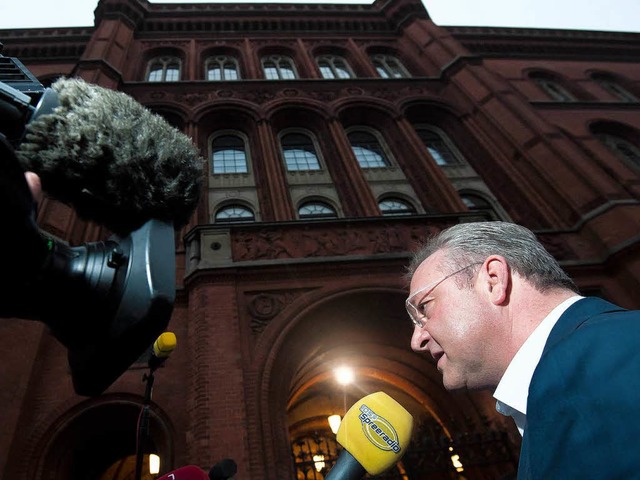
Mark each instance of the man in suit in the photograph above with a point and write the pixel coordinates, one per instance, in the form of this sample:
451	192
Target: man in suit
494	309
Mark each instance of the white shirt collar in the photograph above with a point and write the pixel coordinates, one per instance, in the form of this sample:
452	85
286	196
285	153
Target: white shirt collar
512	391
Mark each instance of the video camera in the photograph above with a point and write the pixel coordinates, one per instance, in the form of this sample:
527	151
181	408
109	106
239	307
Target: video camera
106	301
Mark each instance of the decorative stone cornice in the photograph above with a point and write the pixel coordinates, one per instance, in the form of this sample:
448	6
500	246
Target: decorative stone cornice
548	43
46	44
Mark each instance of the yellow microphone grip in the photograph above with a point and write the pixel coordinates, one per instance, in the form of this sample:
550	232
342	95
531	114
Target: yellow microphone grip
376	431
164	345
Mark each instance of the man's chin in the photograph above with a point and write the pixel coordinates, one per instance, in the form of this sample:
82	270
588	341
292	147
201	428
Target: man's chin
453	384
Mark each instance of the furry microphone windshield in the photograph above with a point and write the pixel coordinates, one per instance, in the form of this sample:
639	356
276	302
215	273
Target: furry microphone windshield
113	160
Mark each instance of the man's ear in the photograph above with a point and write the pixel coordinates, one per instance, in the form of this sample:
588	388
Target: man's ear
498	279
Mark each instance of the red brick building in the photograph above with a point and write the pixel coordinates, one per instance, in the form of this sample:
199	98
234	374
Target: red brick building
336	137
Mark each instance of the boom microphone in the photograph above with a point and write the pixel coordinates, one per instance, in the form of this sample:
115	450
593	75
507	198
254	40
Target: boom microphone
375	433
110	158
119	165
190	472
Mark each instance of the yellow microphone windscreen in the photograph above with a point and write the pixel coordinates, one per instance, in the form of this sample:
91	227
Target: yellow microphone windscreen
164	345
376	431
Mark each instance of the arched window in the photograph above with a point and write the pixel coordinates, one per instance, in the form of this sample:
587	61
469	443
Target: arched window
623	148
613	86
395	206
552	87
234	214
316	209
164	69
438	145
278	67
475	202
388	66
299	152
333	66
221	68
368	150
229	154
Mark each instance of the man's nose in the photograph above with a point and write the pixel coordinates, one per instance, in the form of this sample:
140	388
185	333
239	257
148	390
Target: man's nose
419	339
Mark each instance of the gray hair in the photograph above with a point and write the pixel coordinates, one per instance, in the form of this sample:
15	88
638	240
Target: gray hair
467	243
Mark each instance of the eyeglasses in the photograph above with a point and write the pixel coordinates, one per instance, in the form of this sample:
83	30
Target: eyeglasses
416	315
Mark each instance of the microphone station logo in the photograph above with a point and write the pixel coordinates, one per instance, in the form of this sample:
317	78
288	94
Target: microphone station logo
378	430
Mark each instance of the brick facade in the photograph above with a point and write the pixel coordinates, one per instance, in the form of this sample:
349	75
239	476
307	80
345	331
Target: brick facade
266	309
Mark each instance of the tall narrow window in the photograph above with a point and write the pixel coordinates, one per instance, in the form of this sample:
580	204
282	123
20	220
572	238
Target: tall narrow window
389	67
278	67
299	152
164	69
614	88
368	150
552	87
333	66
623	148
438	146
229	154
222	68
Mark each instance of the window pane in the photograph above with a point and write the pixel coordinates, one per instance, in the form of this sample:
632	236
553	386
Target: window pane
230	72
299	153
173	74
381	71
287	72
229	155
367	150
317	210
326	71
394	206
214	74
438	148
388	66
618	91
155	73
621	147
234	213
343	72
270	71
474	202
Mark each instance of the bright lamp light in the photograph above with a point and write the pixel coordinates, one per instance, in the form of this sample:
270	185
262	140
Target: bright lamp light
334	422
344	375
154	464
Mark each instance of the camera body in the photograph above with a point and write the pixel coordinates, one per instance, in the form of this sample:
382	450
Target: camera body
105	301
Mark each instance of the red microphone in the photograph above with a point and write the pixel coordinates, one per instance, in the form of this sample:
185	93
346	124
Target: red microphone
190	472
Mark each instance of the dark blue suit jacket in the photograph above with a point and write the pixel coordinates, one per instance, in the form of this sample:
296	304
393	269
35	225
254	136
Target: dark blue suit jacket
583	409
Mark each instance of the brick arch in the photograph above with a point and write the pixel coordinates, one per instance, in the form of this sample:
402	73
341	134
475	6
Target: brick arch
300	346
68	429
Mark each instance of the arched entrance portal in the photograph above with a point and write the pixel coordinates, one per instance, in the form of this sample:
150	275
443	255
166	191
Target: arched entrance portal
367	331
96	440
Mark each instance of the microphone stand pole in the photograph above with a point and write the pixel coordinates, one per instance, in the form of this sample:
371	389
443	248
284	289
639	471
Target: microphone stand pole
143	427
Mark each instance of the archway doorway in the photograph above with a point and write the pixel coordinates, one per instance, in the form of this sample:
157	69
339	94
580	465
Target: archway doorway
96	440
455	435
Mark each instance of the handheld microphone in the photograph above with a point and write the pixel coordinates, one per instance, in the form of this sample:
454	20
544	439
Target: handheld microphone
162	348
375	434
190	472
223	470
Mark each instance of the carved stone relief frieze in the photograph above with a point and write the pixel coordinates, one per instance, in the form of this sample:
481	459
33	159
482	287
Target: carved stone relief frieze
273	244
